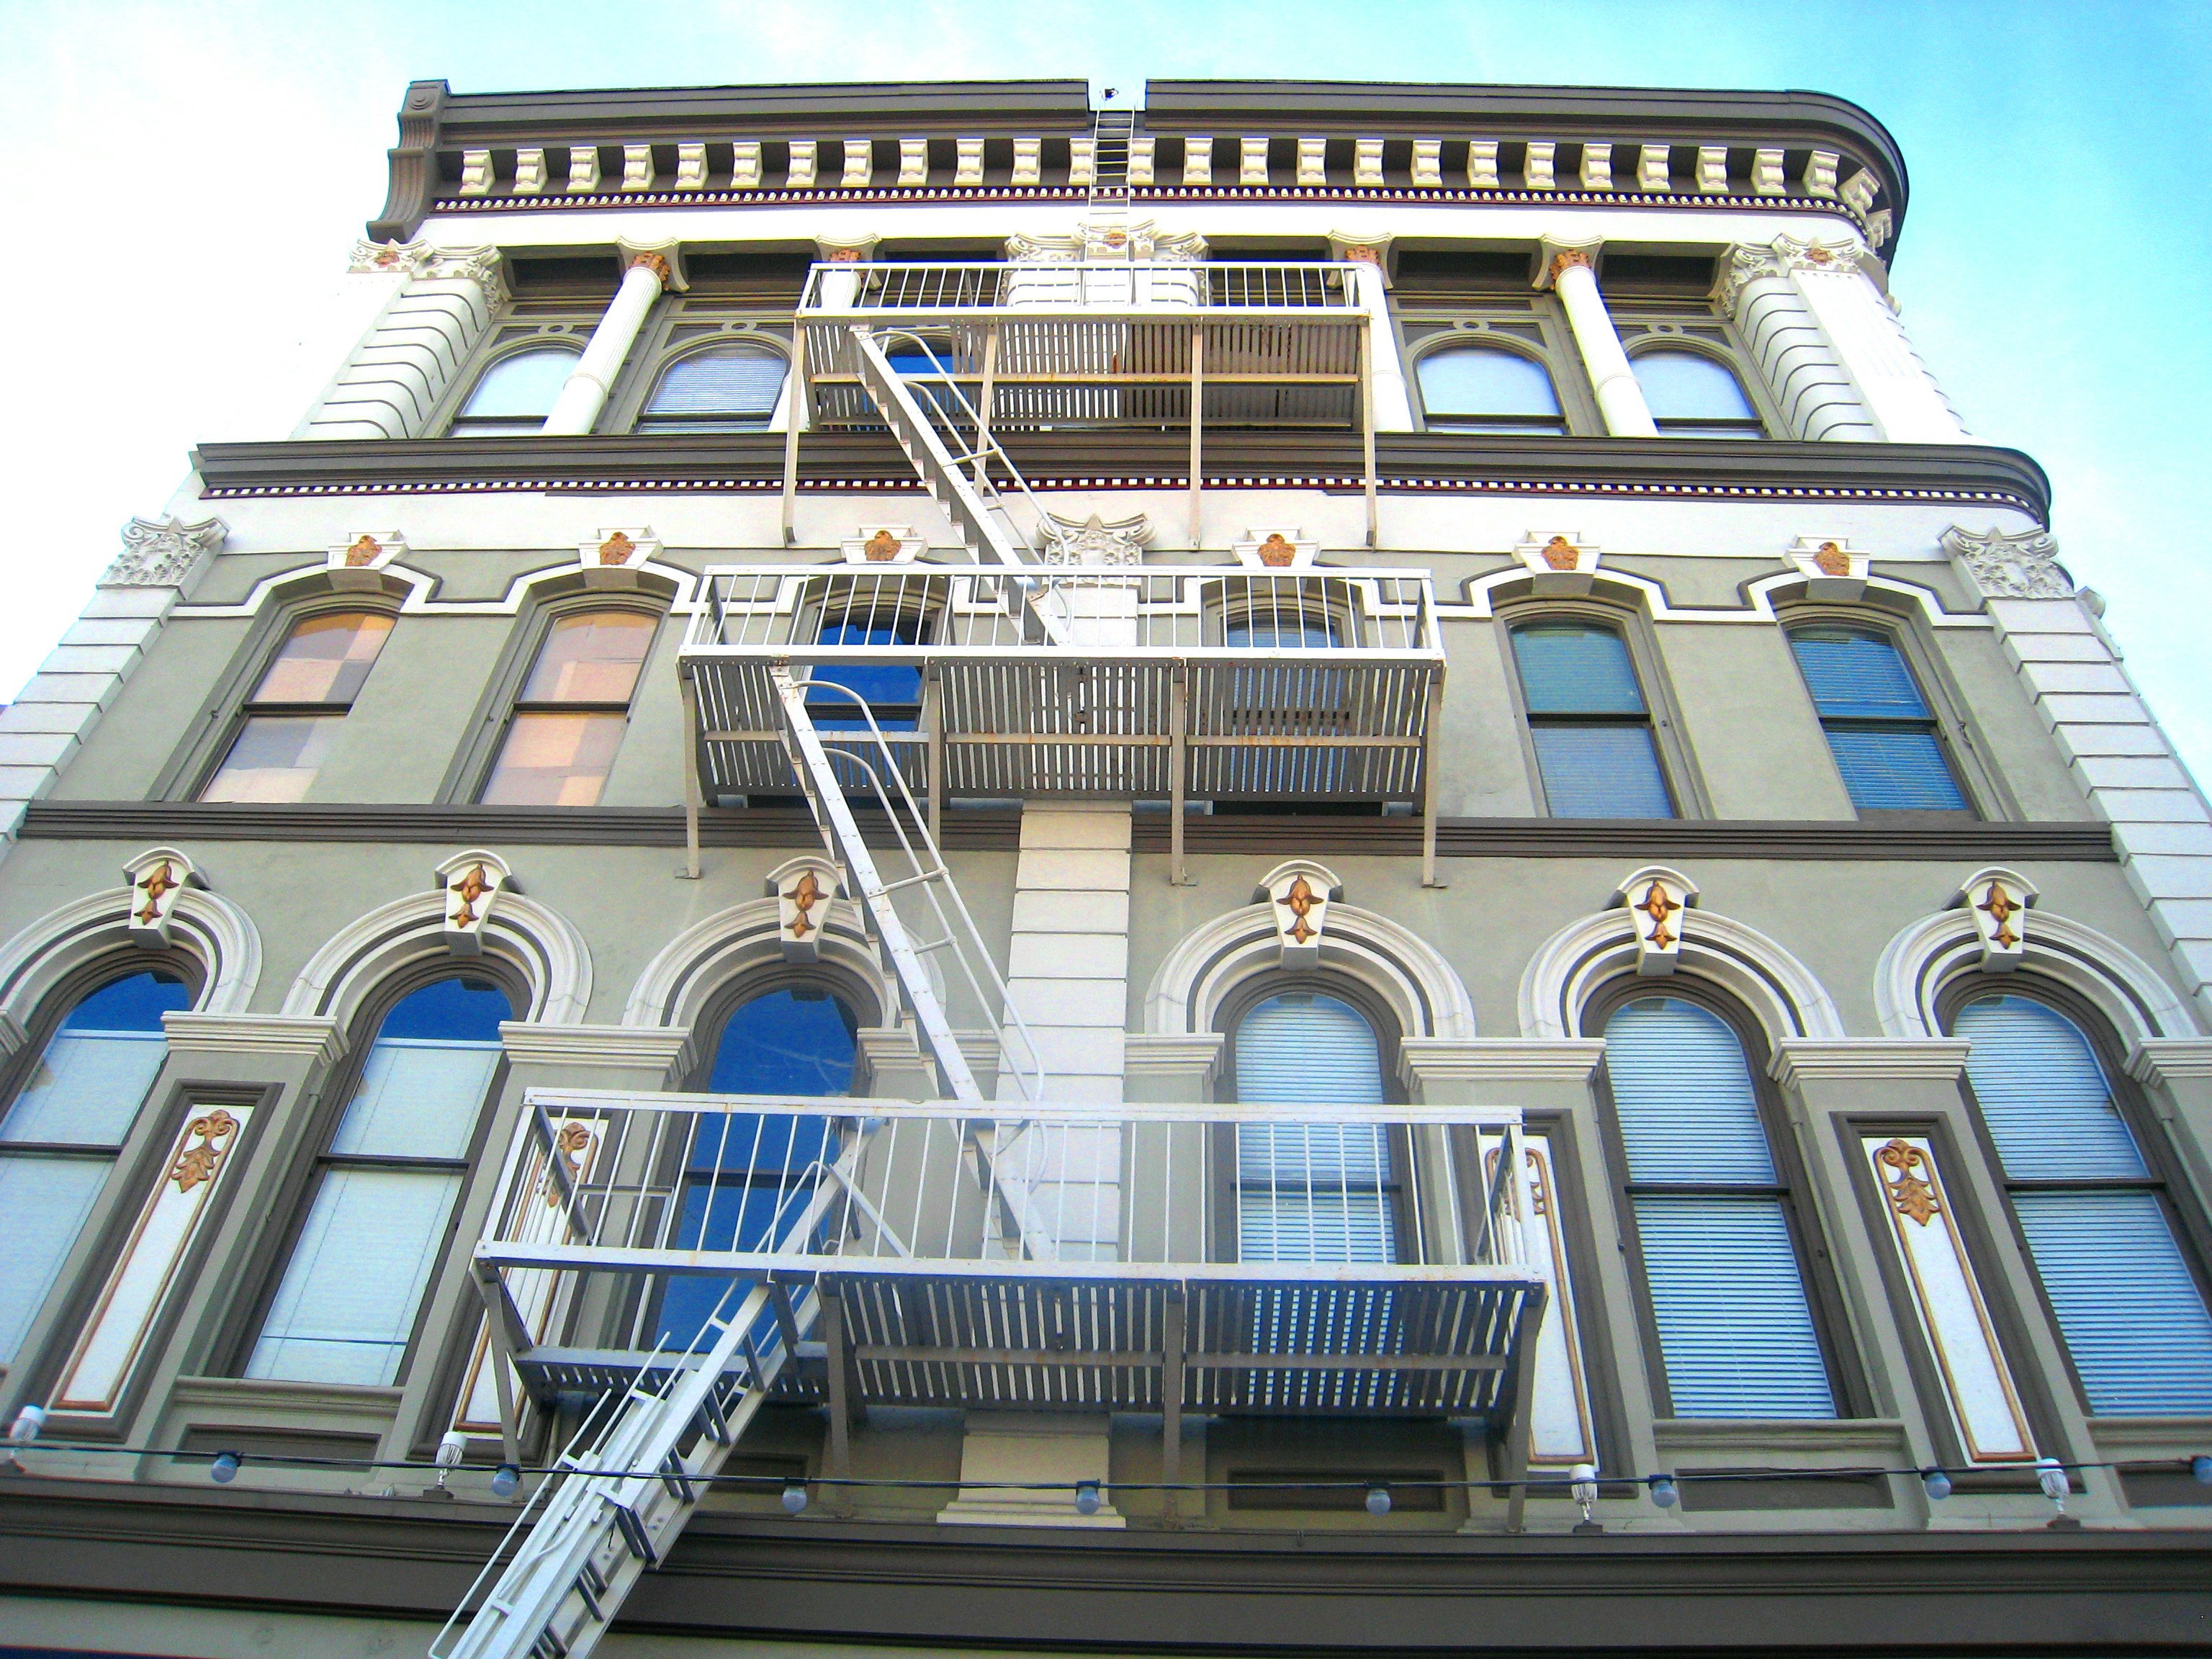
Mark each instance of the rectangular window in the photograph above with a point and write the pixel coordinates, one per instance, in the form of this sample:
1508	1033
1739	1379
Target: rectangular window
1879	726
569	722
1595	752
293	712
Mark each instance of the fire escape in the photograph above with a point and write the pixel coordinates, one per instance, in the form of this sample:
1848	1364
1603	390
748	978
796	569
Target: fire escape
685	1259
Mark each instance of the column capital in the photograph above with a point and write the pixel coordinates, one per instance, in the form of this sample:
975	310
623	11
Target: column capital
1747	262
846	249
423	260
663	259
1555	256
164	552
2009	565
1360	248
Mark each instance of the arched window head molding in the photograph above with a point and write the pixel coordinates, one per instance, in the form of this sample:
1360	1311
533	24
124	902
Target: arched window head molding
1569	968
413	592
691	969
203	925
1406	972
1927	956
1482	596
540	942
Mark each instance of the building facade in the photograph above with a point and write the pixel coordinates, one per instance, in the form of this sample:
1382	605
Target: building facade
1442	928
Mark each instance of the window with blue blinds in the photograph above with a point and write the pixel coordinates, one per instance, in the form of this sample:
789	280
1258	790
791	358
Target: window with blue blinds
731	388
1590	726
60	1135
1712	1212
1312	1192
742	1169
1879	726
344	1310
2092	1210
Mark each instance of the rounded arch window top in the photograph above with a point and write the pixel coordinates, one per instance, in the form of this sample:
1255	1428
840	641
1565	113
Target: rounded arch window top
726	387
517	392
1488	388
791	1040
1303	1046
91	1076
1692	395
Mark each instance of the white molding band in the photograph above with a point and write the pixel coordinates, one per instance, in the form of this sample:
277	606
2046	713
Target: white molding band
1870	1060
1924	956
316	1036
1780	991
529	1043
203	924
1171	1054
1499	1059
2170	1060
673	989
538	940
1421	988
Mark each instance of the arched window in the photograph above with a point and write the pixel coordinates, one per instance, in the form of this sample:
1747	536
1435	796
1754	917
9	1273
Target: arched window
740	1172
729	388
1692	395
568	721
1713	1215
2092	1210
1886	743
285	726
380	1202
1478	388
1313	1191
516	393
61	1133
1595	752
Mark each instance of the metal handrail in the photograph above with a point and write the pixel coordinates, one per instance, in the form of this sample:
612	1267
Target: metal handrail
948	286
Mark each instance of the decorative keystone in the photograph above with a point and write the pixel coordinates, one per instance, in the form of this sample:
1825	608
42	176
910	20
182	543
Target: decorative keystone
1299	892
1832	572
353	564
472	883
1997	900
1656	898
1269	547
157	876
806	890
1560	565
883	545
613	556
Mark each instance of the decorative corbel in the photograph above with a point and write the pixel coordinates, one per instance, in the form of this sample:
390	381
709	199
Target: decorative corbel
353	564
1272	548
157	876
846	249
1299	892
2009	565
1362	248
1997	900
1560	566
805	891
884	543
1832	572
663	259
1656	897
611	558
472	881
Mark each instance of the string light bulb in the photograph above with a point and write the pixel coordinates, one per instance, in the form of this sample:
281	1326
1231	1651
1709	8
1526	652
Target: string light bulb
504	1480
1663	1491
1087	1501
222	1469
794	1496
1936	1483
1378	1501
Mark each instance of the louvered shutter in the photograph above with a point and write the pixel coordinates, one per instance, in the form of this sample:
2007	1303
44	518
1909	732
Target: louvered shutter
1735	1329
1311	1192
2131	1311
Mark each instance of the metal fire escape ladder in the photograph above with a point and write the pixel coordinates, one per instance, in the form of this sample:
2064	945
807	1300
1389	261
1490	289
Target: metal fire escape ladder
1112	134
618	1502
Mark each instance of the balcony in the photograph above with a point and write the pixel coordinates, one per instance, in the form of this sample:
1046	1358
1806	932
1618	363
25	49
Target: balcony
1166	684
1148	1258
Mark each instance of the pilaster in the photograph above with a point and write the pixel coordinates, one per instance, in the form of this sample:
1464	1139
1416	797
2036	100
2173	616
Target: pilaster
437	305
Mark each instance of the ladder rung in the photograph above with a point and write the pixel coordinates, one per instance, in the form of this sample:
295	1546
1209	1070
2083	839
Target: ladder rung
633	1535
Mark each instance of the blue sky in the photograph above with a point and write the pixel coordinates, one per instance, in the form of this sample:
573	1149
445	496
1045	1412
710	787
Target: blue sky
184	179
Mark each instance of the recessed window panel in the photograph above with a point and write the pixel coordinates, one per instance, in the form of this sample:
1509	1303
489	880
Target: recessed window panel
568	723
1488	389
516	393
1312	1192
274	757
1587	720
1690	395
555	760
1575	668
731	388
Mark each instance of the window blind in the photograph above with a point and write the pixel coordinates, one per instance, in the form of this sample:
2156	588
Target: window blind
736	380
1894	770
1600	772
1856	675
1877	724
2119	1284
1311	1192
1736	1334
1567	668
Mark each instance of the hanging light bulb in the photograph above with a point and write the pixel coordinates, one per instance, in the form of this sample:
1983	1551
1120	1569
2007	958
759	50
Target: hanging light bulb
2200	1467
1581	1487
224	1468
1663	1492
29	1421
504	1480
1378	1501
1937	1482
794	1496
452	1447
1087	1501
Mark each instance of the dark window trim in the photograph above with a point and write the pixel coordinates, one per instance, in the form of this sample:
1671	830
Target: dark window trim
2169	1177
1641	334
658	351
511	333
1823	1292
1555	363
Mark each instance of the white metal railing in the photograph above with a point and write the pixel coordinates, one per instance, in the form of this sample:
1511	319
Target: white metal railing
949	286
672	1185
909	613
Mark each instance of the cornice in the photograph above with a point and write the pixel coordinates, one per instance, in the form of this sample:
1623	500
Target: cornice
1878	1059
988	830
1673	468
625	1046
312	1035
2168	1060
1500	1060
1170	1053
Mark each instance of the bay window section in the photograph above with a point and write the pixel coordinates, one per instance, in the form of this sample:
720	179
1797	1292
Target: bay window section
722	389
287	725
2092	1210
381	1200
1693	395
59	1138
568	723
1713	1218
1596	756
1487	389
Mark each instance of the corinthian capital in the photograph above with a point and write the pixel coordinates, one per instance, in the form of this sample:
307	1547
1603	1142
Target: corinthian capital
2018	565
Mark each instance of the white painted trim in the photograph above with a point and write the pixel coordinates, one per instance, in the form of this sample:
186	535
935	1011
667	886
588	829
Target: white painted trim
1782	993
2167	1059
532	937
421	584
314	1035
1477	606
673	988
1924	956
1500	1060
1858	1060
203	924
1410	975
526	1042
